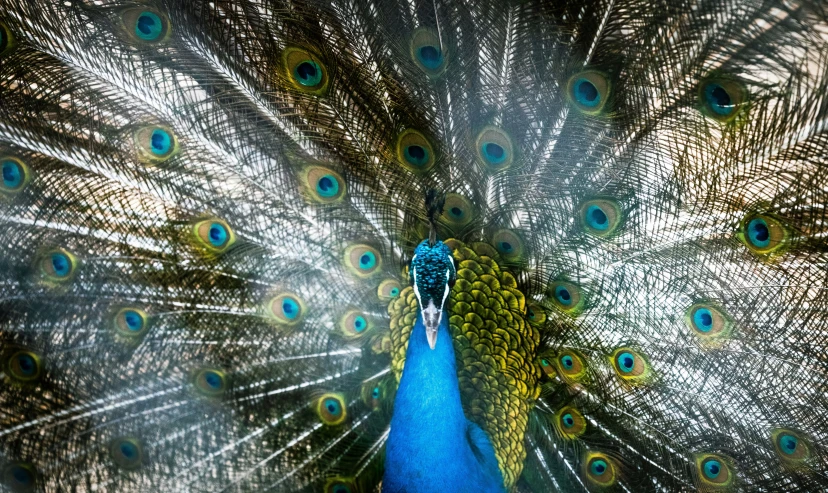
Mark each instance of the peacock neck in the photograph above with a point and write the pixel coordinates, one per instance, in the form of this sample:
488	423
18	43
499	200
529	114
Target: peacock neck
428	445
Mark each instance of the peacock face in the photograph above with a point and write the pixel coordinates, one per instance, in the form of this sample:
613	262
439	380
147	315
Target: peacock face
432	275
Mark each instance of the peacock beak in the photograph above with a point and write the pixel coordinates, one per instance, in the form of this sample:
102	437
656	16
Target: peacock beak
431	319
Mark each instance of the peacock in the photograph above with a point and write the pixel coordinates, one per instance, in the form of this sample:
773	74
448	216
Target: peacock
353	246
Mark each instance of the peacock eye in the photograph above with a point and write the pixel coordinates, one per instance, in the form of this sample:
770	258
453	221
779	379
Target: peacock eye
427	52
714	470
285	309
340	485
722	98
354	324
325	185
567	297
6	39
494	149
15	175
389	289
331	408
210	382
708	323
508	244
790	446
305	70
131	322
414	151
20	477
630	365
457	211
589	91
215	235
144	25
127	453
763	234
600	217
58	266
155	144
569	422
363	260
600	469
24	366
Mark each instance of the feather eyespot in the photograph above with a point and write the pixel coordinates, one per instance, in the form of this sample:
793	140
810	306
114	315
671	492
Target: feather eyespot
210	382
547	366
127	453
57	266
7	40
630	365
305	70
363	260
331	408
389	289
324	185
589	91
600	469
20	477
571	365
708	323
414	151
340	485
131	322
214	235
427	52
494	149
354	324
145	25
458	211
508	244
155	144
600	217
569	422
567	297
23	366
285	309
714	471
722	98
535	314
790	446
764	235
15	175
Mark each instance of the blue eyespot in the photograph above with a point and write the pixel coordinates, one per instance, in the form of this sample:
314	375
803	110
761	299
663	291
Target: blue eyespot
567	362
567	420
788	443
505	247
430	56
718	99
456	212
61	265
26	364
308	73
394	292
128	450
290	308
134	321
12	175
703	319
21	476
493	153
596	218
333	407
598	467
586	93
327	186
416	155
712	468
626	362
148	26
367	260
375	393
160	142
212	379
758	233
218	235
544	362
359	323
563	295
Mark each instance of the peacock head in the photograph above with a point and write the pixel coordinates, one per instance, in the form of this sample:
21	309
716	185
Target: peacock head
432	275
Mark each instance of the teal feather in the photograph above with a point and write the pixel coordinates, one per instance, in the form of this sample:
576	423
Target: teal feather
188	190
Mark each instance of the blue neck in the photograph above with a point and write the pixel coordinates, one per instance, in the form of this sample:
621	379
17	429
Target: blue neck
429	447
